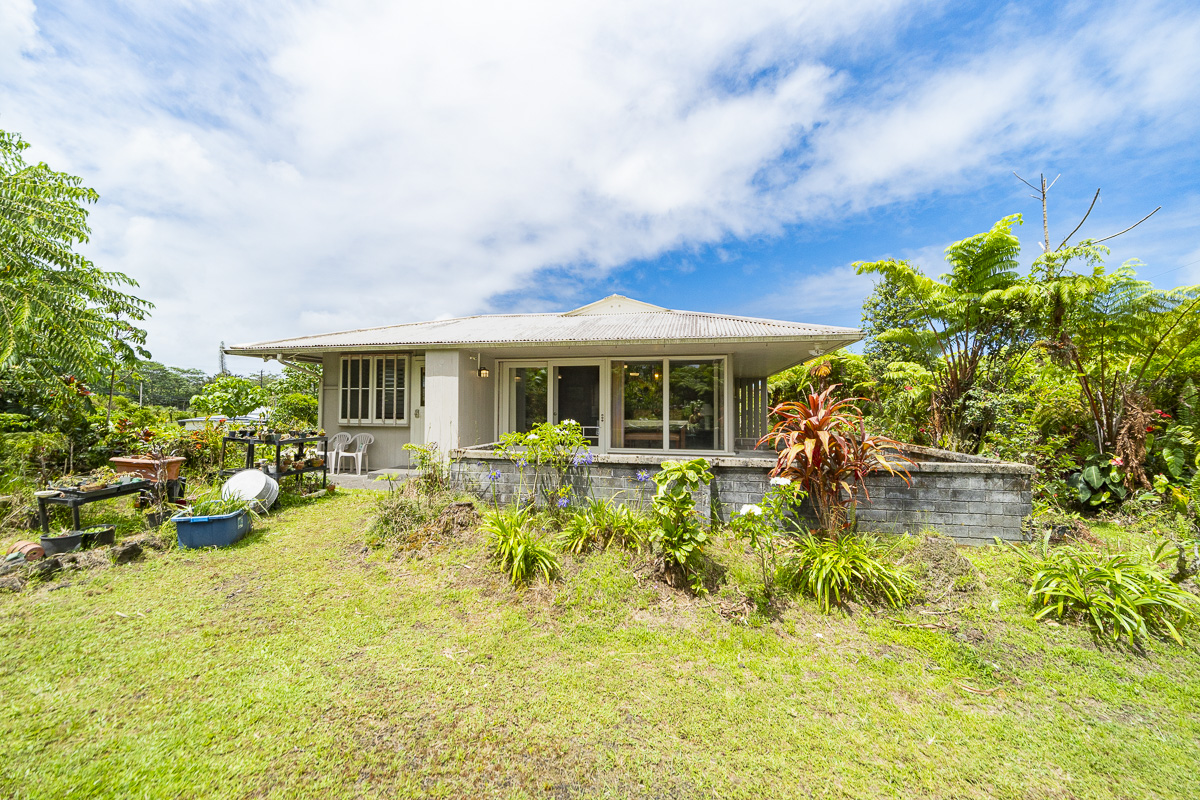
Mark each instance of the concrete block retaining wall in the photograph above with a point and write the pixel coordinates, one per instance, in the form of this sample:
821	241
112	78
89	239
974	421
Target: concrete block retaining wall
969	498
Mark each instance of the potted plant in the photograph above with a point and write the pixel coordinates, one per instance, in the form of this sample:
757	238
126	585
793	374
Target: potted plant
62	542
99	535
152	464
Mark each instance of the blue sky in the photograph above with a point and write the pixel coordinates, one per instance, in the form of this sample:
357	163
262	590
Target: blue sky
274	169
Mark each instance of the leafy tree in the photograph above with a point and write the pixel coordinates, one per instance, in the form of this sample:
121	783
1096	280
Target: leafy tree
157	384
969	336
1123	341
296	380
887	308
59	313
231	395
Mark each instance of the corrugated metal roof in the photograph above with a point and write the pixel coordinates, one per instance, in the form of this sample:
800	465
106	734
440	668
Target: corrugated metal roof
597	322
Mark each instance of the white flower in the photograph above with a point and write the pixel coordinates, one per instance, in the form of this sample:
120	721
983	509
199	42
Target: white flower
751	510
531	437
569	422
780	482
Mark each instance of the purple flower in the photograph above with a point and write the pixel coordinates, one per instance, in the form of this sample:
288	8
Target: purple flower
563	502
494	475
642	475
522	463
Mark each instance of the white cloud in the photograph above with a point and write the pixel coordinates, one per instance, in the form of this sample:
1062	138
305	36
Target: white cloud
271	170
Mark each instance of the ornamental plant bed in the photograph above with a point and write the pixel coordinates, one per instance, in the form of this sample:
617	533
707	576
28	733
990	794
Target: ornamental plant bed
149	468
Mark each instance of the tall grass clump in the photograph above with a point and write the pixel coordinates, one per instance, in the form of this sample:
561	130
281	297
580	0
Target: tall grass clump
850	567
1114	594
602	524
517	547
404	511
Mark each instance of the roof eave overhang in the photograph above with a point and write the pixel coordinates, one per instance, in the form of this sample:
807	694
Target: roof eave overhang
273	350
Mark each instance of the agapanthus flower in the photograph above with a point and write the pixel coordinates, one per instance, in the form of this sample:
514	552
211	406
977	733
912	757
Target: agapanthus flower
494	475
563	502
522	463
642	475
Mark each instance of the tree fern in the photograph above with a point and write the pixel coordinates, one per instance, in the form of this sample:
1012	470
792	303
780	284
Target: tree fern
970	333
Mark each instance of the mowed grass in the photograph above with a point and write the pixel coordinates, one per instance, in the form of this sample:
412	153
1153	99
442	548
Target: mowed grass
302	664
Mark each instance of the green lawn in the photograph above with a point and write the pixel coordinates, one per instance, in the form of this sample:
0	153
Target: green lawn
301	664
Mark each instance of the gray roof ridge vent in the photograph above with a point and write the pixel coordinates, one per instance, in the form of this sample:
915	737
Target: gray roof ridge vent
614	304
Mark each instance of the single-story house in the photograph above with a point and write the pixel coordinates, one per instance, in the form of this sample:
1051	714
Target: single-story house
639	378
646	383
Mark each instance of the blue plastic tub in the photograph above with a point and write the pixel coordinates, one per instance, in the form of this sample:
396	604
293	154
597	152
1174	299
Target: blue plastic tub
219	531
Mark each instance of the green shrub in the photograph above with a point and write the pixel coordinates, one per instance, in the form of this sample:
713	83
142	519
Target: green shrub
763	525
1115	594
295	410
432	472
1100	482
601	524
678	530
852	566
517	547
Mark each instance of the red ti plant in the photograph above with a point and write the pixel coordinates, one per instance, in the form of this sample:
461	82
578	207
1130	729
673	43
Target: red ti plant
823	445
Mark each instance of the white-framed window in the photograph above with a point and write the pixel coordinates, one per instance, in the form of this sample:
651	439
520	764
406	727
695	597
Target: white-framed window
371	390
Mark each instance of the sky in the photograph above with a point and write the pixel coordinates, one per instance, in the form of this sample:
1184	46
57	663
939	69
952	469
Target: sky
275	169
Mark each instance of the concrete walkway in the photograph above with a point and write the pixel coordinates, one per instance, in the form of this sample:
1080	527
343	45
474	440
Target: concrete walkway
376	479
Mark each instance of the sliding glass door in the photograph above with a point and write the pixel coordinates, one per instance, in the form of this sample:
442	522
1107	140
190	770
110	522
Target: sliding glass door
650	404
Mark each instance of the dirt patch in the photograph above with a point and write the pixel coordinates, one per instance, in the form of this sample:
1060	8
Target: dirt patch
941	569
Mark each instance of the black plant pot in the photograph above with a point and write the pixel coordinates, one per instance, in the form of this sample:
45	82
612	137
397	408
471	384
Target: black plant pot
53	545
156	518
100	536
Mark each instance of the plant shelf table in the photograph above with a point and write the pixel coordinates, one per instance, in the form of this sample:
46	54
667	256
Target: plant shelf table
74	498
280	473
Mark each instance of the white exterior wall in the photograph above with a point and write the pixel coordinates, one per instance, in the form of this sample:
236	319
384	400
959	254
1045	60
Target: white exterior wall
476	400
388	448
442	371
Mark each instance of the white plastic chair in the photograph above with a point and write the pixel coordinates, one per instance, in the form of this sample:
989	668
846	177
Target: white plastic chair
356	448
334	445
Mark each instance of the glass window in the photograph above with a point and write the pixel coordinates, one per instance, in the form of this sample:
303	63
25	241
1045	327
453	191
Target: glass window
637	404
527	398
389	388
372	389
695	392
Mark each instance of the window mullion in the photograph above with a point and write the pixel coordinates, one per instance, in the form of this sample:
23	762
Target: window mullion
666	404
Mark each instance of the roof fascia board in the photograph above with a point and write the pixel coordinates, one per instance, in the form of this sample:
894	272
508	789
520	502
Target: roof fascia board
813	338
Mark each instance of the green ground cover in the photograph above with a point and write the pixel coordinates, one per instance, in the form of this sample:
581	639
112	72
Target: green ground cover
301	663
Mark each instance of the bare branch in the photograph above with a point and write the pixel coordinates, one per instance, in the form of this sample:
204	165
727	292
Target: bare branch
1056	177
1080	225
1131	227
1027	183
